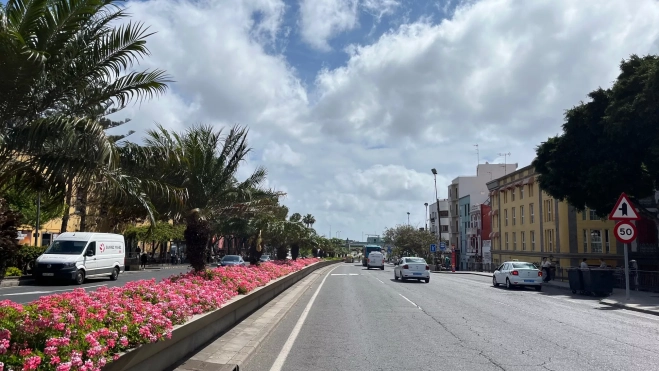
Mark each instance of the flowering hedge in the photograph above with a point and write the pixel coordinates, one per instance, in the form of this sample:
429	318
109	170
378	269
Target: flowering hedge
83	330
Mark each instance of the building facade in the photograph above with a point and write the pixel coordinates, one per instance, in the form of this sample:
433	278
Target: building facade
476	188
464	206
443	220
478	235
528	224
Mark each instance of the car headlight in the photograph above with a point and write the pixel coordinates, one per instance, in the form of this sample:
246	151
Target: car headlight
69	264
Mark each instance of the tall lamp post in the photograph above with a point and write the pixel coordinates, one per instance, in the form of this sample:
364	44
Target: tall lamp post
426	215
408	218
439	217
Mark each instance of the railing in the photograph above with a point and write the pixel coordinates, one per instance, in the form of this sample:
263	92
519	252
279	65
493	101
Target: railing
481	267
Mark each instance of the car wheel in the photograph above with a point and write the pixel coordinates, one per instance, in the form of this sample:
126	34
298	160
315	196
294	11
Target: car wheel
382	267
395	276
508	285
538	288
494	282
115	274
427	280
80	277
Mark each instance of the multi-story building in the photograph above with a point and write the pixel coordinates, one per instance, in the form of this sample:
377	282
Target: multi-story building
442	221
476	188
528	224
462	250
478	237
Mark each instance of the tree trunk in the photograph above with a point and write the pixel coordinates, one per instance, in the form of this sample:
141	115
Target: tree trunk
295	251
83	209
67	208
282	252
197	233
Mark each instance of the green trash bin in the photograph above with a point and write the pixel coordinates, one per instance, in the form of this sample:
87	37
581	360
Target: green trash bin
598	281
575	277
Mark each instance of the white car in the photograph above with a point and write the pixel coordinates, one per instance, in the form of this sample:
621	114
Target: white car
412	268
375	260
515	273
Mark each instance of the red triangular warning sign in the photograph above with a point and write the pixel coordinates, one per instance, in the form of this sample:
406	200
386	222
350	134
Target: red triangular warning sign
623	210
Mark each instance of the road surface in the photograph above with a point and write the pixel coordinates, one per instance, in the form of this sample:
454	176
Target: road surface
26	294
365	320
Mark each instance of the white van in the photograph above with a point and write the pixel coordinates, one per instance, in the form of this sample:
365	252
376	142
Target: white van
375	260
78	255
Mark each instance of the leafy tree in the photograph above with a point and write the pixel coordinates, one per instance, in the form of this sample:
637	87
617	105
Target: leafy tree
25	201
9	222
408	240
609	145
296	217
309	220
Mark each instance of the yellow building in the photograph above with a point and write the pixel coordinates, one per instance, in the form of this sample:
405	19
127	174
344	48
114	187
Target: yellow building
528	224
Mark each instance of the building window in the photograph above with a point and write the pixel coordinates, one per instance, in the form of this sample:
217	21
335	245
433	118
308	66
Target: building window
515	241
506	235
530	190
532	238
593	215
549	233
512	194
505	216
444	228
585	240
583	214
505	197
514	216
606	241
531	215
548	208
523	240
596	241
443	213
521	215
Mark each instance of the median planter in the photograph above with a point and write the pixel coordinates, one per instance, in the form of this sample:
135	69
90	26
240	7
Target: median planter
143	325
11	281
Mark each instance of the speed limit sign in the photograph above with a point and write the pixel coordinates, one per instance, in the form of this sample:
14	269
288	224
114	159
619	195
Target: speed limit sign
625	232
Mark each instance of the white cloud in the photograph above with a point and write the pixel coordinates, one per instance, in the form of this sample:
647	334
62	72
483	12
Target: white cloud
322	19
499	73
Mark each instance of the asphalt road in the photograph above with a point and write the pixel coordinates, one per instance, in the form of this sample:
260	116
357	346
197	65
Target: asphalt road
26	294
368	321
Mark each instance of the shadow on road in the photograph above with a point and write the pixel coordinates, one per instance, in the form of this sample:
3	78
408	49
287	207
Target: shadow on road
406	281
554	291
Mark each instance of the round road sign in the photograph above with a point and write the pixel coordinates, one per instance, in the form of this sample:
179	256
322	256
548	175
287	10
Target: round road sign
625	232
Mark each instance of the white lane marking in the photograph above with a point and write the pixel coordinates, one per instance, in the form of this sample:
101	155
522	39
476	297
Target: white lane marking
339	274
50	292
411	302
288	345
379	279
353	274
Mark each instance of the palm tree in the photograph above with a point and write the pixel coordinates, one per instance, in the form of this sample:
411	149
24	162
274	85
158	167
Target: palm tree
63	66
309	220
296	217
206	163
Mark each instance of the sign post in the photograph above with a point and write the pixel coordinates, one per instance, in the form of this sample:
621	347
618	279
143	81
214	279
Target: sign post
625	230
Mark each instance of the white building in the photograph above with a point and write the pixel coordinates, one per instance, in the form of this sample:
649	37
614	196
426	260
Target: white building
476	188
444	219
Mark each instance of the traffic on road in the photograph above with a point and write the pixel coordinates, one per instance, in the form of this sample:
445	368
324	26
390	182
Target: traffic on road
354	317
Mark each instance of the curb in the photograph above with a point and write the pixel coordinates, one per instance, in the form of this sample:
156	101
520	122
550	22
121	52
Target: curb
617	304
13	282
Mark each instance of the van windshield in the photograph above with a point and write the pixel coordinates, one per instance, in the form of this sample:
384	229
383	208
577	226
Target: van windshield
66	247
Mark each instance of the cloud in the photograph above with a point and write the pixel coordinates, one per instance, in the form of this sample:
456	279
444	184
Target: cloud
355	147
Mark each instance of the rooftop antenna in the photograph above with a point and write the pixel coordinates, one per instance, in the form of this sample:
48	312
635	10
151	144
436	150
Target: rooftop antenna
505	156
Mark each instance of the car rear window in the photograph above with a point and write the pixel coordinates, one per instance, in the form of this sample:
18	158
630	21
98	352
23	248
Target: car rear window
524	266
415	260
230	258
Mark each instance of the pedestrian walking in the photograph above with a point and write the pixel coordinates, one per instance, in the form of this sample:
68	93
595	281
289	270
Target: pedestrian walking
545	266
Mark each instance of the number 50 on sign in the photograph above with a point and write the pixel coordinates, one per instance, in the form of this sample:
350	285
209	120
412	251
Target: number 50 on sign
625	232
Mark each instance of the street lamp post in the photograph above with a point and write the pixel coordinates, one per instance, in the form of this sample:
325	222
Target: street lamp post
426	215
408	218
439	217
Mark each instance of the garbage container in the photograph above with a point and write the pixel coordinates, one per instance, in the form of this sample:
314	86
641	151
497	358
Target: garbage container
575	276
598	281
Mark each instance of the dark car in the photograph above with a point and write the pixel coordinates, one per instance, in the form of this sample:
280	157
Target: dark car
231	260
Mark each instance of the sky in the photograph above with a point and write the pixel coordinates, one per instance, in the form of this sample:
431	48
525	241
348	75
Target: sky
350	103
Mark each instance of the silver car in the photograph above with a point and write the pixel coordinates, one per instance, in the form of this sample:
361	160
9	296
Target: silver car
231	260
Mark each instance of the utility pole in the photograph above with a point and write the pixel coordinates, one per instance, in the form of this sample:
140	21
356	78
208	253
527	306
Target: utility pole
439	219
505	157
426	216
408	218
36	236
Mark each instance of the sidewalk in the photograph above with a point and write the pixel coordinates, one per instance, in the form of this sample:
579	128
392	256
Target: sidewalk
639	301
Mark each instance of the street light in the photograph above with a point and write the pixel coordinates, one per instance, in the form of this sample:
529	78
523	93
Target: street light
408	218
439	217
426	215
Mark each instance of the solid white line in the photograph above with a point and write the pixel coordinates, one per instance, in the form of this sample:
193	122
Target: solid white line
288	345
411	302
339	274
51	291
353	274
379	279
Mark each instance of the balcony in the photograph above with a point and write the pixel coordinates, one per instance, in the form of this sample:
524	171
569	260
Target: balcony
472	231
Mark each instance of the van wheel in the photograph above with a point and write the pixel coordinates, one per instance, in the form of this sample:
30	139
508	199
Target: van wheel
115	274
80	277
382	267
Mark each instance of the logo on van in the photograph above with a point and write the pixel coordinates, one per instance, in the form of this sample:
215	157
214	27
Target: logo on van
101	247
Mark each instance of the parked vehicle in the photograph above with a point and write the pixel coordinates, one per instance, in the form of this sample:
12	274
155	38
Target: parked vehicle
367	250
265	258
80	255
515	273
231	260
412	268
375	260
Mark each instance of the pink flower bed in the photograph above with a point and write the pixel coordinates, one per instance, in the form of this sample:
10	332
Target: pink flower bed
83	330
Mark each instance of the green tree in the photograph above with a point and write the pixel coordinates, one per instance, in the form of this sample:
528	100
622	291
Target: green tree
25	202
309	220
9	222
609	145
408	240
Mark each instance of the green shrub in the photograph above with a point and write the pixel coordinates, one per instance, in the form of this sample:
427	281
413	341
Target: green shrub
25	257
13	271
